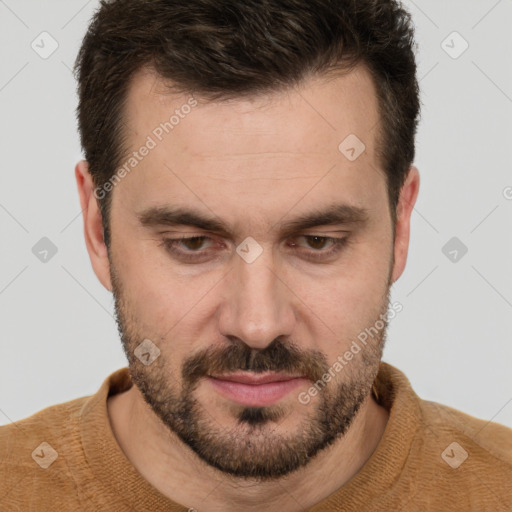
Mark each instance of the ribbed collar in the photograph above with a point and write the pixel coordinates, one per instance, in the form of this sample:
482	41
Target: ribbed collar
118	477
112	470
383	470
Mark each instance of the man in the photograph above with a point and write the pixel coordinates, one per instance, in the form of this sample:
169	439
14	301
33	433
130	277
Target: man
247	193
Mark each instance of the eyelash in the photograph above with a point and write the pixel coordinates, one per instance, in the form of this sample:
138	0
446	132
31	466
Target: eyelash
338	245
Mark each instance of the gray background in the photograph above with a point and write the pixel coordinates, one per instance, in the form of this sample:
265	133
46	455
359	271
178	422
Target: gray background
452	339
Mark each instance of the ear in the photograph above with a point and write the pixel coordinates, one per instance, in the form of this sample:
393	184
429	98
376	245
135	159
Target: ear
93	227
406	201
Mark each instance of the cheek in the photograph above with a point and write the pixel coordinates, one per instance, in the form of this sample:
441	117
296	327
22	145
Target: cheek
349	303
164	305
150	299
352	297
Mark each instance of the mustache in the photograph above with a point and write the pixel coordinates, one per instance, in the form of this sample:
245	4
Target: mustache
277	357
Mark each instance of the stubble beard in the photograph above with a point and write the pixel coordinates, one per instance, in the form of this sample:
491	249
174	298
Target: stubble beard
254	447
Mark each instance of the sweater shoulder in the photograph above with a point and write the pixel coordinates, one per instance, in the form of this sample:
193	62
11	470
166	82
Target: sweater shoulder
40	452
55	422
456	462
491	442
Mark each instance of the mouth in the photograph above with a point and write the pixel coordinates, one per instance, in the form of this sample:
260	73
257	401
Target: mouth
255	390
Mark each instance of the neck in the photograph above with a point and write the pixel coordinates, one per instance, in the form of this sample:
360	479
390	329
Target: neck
178	473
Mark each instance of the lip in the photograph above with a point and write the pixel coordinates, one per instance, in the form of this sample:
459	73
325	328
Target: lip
255	378
256	390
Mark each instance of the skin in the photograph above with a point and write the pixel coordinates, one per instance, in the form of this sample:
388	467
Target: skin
253	163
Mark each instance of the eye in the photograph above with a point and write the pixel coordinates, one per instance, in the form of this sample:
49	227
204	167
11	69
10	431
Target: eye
318	243
194	246
193	243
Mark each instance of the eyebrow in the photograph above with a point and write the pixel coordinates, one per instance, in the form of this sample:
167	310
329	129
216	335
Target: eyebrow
335	214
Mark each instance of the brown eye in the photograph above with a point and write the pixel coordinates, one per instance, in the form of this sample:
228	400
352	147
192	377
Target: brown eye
317	242
192	243
192	247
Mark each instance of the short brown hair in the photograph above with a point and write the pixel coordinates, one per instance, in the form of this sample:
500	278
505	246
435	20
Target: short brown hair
234	48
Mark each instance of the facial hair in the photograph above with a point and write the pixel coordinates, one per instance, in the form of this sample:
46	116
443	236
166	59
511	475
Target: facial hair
253	448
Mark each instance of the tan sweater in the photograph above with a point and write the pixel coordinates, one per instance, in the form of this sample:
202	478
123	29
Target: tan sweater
430	458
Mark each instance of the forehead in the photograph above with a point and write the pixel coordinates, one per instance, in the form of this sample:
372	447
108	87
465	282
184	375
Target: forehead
268	146
321	111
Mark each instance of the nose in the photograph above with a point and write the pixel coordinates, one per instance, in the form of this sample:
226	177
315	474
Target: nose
259	305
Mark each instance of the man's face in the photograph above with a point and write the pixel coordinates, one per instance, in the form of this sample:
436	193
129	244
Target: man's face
288	301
